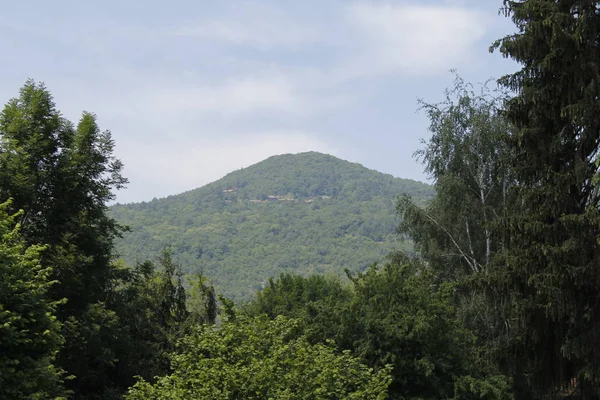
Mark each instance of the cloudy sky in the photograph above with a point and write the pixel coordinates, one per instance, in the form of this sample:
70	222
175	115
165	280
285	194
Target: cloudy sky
192	90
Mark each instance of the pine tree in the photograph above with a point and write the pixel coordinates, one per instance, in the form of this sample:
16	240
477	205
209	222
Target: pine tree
551	269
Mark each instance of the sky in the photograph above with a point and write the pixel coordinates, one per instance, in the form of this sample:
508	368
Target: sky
193	90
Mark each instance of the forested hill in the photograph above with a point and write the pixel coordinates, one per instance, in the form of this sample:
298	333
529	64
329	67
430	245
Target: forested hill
307	213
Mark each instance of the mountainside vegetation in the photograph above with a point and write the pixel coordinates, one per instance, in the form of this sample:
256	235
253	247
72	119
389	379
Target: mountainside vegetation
306	213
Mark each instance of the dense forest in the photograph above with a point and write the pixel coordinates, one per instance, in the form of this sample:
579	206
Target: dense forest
303	213
499	297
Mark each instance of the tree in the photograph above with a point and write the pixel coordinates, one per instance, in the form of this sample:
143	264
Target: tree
401	316
62	176
202	301
457	233
257	358
392	314
29	331
467	160
317	301
153	315
551	266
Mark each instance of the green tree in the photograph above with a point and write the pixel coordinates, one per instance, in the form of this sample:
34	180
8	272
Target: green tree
551	266
170	294
202	301
457	233
153	315
395	314
401	316
29	331
256	358
140	349
468	162
316	300
62	176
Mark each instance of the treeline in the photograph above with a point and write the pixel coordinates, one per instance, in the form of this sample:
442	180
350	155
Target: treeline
501	302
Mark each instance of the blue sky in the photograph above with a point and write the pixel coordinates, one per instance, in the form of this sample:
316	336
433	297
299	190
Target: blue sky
192	90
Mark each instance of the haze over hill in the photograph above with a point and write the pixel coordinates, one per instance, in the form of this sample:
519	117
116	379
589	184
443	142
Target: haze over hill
307	213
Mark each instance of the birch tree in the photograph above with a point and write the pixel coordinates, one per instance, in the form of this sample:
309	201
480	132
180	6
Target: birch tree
466	159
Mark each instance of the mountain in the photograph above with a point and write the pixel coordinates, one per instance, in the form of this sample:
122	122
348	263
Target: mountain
307	213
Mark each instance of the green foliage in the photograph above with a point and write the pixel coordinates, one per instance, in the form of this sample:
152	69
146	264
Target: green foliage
284	295
318	301
495	387
402	317
142	339
467	160
154	314
457	233
29	332
550	270
394	315
62	176
90	351
326	214
202	301
171	310
396	318
256	358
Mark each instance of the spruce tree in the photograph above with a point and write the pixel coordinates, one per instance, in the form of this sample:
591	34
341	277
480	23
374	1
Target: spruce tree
551	268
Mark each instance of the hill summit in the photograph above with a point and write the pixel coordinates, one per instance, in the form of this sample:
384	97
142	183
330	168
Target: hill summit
307	213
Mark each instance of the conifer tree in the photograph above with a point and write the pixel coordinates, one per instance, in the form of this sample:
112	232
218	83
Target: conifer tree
551	268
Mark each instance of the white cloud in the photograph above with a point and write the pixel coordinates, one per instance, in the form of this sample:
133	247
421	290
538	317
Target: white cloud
365	38
167	101
167	141
242	95
411	38
238	95
171	167
262	34
253	24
